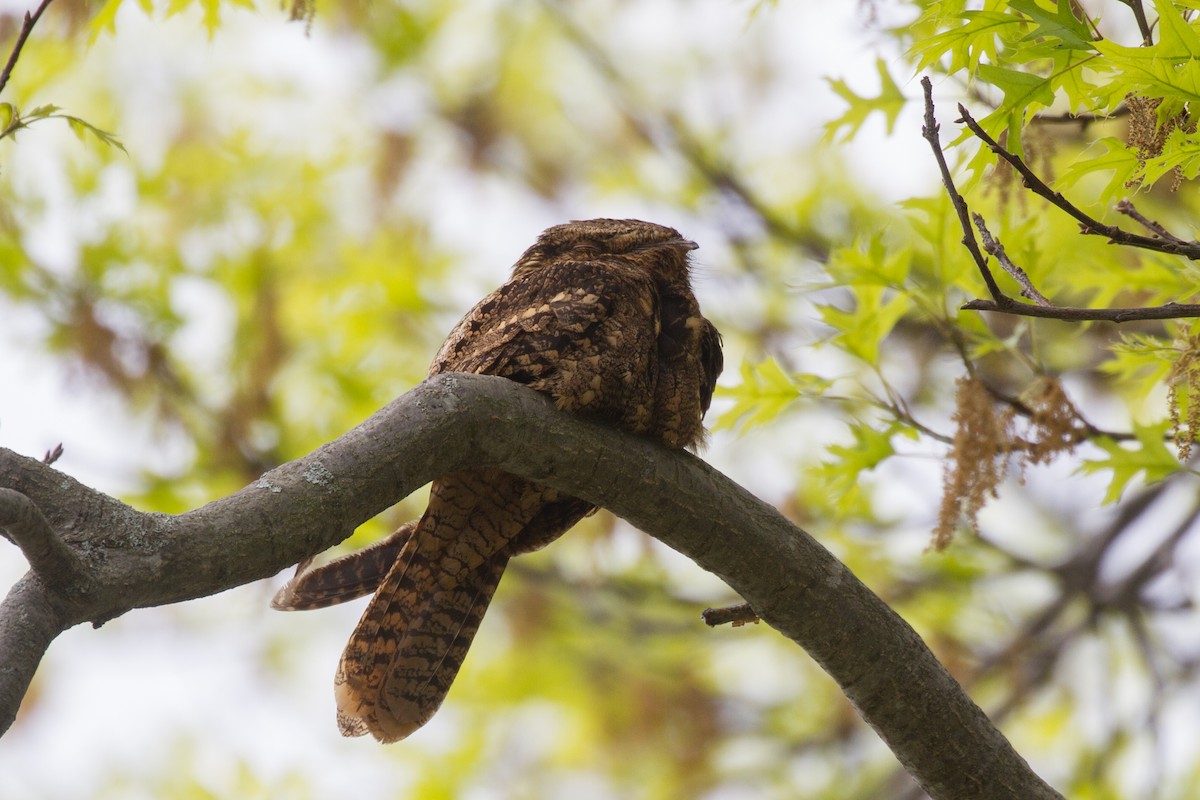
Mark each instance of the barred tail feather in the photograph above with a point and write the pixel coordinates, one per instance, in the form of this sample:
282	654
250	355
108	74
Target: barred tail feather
409	646
343	579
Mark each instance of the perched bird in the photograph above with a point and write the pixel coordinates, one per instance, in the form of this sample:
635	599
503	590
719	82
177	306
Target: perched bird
598	315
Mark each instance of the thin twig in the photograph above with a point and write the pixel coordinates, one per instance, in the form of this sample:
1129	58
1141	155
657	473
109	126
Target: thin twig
1087	224
1139	13
996	249
1073	314
930	131
26	29
895	405
1127	208
1164	242
1082	120
1087	429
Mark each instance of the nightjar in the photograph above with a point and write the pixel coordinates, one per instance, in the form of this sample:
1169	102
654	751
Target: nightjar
598	315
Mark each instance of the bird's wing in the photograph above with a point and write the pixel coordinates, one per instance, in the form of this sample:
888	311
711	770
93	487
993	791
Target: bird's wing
582	332
711	362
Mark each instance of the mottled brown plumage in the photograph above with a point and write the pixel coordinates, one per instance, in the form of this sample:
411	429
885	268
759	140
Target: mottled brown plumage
600	316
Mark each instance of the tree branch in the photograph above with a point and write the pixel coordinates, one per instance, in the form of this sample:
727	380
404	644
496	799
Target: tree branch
1164	241
930	131
22	523
453	422
30	619
1143	24
1075	314
26	29
1087	224
738	615
1127	208
993	247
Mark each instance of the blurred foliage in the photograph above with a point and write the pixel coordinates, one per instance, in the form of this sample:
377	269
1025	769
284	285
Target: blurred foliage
258	254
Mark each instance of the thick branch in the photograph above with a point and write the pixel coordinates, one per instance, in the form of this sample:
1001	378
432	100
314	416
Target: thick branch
30	619
457	421
22	522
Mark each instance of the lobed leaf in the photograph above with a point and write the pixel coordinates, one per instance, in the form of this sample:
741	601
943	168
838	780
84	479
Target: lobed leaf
1149	458
889	102
1118	159
967	44
764	393
1169	68
861	331
1061	25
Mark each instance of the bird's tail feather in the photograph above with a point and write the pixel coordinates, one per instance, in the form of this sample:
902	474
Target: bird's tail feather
345	578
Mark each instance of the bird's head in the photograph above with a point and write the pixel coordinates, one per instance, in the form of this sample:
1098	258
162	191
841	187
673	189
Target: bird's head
655	247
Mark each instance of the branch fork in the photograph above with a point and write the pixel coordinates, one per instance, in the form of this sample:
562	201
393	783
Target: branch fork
1162	240
453	422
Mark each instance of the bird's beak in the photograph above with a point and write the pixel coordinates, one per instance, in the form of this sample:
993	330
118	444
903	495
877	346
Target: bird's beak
685	244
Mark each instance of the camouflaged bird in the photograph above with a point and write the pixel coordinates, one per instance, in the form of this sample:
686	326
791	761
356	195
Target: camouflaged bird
600	316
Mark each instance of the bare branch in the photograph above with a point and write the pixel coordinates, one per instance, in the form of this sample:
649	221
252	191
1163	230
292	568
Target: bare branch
1139	14
457	421
26	29
1087	224
1087	429
930	132
1127	208
1164	242
1074	314
995	248
30	619
1082	120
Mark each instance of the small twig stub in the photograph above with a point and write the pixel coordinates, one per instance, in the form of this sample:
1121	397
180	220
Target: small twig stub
738	615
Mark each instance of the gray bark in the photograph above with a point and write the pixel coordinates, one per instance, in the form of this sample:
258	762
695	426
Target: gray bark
94	558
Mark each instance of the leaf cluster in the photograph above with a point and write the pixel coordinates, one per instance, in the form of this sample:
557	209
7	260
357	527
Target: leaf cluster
1032	65
12	120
